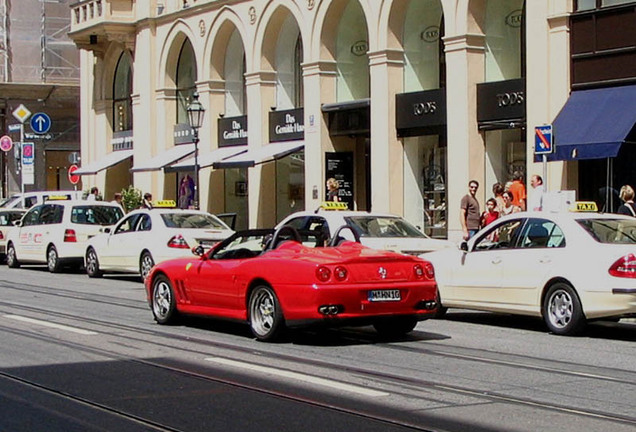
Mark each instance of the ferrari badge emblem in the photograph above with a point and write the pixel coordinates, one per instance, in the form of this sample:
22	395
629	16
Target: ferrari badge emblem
382	272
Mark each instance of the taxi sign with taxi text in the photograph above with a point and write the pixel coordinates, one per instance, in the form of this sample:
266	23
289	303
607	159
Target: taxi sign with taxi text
334	205
586	206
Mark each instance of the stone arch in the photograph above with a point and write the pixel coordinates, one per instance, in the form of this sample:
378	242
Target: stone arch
271	20
326	26
177	35
221	29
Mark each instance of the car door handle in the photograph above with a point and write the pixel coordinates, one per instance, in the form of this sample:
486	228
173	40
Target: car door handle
545	260
496	260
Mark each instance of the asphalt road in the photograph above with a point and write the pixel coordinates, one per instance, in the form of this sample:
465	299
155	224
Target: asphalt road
84	354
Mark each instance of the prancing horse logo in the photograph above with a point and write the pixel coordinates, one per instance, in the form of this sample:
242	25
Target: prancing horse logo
382	272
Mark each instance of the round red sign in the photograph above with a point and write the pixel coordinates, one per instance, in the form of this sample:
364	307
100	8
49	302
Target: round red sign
73	178
6	143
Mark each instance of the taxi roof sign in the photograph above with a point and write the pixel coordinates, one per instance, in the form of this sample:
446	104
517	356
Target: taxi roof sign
334	205
585	206
164	204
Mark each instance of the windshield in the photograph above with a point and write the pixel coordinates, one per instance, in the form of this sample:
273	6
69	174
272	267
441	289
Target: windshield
617	231
96	215
5	202
192	220
383	226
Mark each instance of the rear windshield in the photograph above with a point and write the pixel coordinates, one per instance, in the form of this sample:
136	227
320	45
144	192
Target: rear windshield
96	215
192	220
7	218
383	226
620	231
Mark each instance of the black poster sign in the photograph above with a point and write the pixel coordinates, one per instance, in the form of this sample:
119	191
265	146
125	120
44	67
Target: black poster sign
339	165
420	113
232	131
182	133
286	125
501	101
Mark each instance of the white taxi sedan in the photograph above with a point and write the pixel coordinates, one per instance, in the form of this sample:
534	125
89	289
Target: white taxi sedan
8	218
568	268
55	232
145	237
376	230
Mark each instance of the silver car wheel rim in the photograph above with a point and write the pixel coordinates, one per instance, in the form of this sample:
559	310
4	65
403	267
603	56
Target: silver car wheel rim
52	258
11	255
162	298
91	262
262	312
146	265
561	309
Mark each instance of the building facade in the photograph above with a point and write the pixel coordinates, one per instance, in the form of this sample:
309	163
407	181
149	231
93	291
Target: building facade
39	69
402	101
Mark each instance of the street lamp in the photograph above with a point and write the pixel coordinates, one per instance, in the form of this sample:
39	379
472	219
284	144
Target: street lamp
195	119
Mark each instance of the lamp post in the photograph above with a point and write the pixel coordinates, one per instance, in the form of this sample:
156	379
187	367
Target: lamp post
195	119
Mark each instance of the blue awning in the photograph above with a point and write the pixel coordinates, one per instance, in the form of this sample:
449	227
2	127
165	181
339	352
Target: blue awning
594	124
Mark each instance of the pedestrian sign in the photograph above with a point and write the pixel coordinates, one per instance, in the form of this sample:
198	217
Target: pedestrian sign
543	139
40	123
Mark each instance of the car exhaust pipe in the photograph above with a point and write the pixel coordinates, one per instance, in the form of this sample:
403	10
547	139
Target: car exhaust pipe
330	309
426	305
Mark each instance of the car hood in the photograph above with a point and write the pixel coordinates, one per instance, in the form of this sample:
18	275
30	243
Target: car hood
407	245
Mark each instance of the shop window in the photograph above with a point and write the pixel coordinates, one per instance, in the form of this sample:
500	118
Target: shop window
352	45
235	102
583	5
289	56
423	46
236	195
425	184
505	41
290	184
122	90
505	155
186	79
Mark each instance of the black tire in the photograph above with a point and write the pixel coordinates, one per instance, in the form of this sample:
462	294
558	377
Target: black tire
562	310
53	260
92	264
265	315
12	258
440	313
394	327
163	302
146	263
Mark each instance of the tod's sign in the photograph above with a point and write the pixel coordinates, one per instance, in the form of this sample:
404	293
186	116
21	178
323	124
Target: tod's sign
420	111
501	101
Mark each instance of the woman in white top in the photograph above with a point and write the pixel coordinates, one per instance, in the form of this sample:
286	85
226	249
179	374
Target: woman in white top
508	207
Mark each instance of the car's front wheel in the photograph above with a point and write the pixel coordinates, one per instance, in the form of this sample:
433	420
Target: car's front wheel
92	264
12	258
164	304
562	310
265	314
52	260
396	326
146	263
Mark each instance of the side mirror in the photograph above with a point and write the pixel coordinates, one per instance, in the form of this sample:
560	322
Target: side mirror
17	223
106	230
198	251
464	246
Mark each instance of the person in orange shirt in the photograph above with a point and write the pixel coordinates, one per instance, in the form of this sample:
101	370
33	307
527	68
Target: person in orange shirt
518	190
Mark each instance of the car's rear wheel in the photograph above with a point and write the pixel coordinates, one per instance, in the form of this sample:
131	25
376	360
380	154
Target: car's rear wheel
92	264
265	314
396	326
53	260
146	263
441	310
12	258
164	304
562	310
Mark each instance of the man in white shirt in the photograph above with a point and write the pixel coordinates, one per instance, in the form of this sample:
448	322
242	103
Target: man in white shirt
536	198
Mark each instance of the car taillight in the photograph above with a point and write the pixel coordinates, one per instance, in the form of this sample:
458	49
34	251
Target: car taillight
425	270
340	273
323	274
178	242
69	236
429	271
624	267
1	236
418	271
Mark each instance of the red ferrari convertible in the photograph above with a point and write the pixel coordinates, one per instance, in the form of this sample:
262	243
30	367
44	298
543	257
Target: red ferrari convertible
275	280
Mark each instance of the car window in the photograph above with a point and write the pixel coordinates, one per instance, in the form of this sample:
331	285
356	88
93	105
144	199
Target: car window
192	220
541	233
145	224
503	236
7	218
242	246
51	214
95	214
619	231
383	226
299	222
32	217
128	224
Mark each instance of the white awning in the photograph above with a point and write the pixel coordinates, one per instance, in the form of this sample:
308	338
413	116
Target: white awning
102	163
264	154
165	158
208	159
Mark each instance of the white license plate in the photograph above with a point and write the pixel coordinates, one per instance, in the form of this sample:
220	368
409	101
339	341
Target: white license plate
384	295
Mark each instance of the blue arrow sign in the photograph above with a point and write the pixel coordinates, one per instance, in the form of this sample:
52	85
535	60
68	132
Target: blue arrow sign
40	123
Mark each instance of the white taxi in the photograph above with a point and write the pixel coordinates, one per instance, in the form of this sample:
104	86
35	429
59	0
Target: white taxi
568	268
148	236
29	199
8	218
55	233
376	230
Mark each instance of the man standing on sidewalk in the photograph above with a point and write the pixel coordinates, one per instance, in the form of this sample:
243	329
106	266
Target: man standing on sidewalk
469	215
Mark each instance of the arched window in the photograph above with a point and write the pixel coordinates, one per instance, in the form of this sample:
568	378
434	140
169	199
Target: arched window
289	56
352	45
235	101
122	100
186	79
505	40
